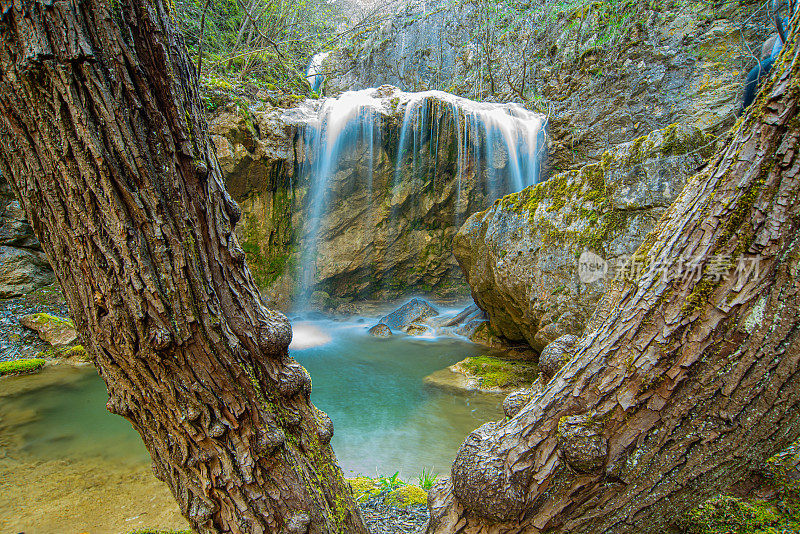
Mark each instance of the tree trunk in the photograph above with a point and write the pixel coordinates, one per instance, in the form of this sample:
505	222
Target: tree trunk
103	137
682	384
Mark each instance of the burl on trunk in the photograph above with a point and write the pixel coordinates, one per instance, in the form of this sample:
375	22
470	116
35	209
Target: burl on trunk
686	379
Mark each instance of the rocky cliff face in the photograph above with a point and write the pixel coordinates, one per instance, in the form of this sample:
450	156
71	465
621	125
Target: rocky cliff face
605	73
407	171
522	257
23	265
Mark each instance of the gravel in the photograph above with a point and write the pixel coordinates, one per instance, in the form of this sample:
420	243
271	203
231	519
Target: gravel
17	341
383	519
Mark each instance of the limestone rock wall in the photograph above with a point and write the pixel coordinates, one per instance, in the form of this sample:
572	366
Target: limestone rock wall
521	256
605	73
23	265
387	228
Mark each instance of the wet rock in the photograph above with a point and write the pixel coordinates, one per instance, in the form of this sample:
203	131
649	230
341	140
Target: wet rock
415	310
23	270
582	444
486	373
380	330
57	331
523	256
452	380
556	354
516	401
14	228
416	329
23	266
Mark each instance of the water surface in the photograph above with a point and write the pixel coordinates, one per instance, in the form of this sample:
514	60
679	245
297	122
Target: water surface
67	465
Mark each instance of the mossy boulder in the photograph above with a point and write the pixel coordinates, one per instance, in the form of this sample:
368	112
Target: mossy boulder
498	374
406	496
525	257
16	367
57	331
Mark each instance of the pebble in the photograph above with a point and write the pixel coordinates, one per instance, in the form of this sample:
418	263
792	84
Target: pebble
383	519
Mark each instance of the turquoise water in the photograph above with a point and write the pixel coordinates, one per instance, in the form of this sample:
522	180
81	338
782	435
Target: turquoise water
386	419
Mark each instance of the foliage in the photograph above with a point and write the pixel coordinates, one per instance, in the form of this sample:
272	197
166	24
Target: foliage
364	488
427	478
390	483
266	43
21	366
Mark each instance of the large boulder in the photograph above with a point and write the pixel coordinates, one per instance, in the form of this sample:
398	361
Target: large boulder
23	265
522	256
57	331
23	270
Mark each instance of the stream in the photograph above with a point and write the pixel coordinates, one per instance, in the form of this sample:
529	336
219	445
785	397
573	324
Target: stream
67	465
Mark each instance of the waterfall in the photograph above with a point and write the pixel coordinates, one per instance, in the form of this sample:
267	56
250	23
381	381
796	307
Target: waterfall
315	74
445	153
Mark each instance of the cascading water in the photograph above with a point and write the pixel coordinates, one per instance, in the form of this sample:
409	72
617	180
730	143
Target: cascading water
315	74
462	154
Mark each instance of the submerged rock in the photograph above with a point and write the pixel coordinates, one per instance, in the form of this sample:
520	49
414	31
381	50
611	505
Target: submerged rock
380	330
522	257
414	310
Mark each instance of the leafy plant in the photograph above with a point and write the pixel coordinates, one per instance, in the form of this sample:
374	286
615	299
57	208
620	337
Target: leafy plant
390	483
427	478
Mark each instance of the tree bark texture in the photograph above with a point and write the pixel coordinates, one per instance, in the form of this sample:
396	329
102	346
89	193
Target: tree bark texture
681	385
103	137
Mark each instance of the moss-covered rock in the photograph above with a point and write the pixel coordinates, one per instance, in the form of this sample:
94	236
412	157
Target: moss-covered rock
15	367
494	373
57	331
522	257
406	496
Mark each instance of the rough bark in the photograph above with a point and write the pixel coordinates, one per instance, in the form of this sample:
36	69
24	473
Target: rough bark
682	384
103	137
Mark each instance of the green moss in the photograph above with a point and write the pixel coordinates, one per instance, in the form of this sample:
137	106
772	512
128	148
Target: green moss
724	515
45	319
21	366
363	488
500	373
406	496
77	352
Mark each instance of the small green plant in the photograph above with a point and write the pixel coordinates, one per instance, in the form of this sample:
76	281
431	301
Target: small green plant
21	366
390	483
427	478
